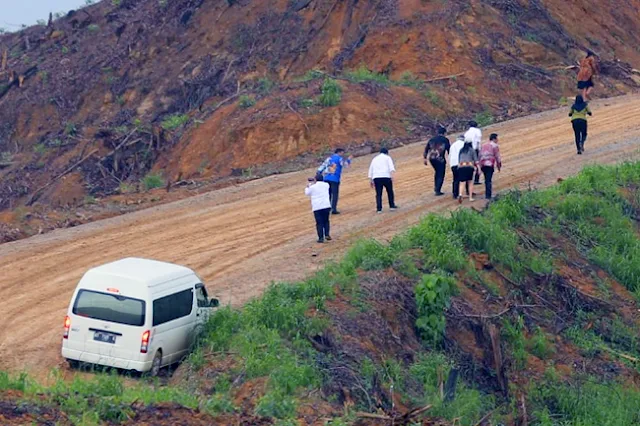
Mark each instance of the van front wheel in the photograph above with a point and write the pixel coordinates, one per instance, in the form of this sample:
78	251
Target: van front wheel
155	364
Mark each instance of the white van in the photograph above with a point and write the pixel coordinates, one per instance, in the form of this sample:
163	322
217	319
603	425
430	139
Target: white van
135	314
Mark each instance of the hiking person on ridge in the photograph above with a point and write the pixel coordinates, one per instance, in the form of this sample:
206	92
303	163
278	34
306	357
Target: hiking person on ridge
467	165
321	206
588	68
332	171
434	153
489	160
579	111
474	135
381	176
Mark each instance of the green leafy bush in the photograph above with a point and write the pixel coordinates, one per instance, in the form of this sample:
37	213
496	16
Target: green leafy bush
153	180
331	93
433	295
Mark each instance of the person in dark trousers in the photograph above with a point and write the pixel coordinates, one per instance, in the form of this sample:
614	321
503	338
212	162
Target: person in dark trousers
454	153
474	135
434	153
332	171
321	206
381	176
489	161
579	111
588	69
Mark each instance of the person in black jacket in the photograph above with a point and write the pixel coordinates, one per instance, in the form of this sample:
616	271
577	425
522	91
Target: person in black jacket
434	153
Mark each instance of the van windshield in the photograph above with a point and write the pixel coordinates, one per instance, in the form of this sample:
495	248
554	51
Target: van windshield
109	307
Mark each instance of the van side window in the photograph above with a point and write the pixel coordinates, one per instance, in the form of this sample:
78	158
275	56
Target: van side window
174	306
201	295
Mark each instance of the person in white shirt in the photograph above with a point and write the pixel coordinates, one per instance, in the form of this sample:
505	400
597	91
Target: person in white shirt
381	176
474	135
454	155
321	205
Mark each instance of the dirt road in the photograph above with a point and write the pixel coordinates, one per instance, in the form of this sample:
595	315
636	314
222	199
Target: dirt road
241	238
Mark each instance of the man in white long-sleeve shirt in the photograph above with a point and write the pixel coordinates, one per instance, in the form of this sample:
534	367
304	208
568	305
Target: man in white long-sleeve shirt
381	176
321	205
474	135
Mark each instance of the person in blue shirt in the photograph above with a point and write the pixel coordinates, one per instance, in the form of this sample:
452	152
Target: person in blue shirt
331	170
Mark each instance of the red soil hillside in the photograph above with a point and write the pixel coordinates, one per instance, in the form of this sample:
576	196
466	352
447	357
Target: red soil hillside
194	89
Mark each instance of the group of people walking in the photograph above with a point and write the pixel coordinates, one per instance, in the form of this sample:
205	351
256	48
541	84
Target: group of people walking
468	157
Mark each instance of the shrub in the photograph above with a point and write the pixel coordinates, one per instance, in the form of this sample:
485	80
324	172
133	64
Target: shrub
246	101
433	295
432	97
93	28
407	79
362	74
539	345
484	118
174	121
331	93
513	332
70	129
152	180
40	149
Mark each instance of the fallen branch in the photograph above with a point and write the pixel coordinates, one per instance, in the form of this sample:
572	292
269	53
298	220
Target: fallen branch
37	192
447	77
499	314
487	416
373	416
298	115
620	354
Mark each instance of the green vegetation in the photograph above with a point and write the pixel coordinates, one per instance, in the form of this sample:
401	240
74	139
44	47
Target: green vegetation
153	180
40	149
246	101
70	129
307	103
591	403
264	86
362	74
432	97
331	93
432	297
273	340
484	118
174	121
93	28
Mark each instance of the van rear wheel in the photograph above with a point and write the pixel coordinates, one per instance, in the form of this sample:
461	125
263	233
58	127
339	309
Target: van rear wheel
73	364
155	364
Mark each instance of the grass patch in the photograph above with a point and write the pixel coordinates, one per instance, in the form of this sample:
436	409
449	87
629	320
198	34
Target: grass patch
174	121
594	404
363	74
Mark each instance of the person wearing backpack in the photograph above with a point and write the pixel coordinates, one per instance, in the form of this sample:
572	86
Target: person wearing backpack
578	113
489	161
434	153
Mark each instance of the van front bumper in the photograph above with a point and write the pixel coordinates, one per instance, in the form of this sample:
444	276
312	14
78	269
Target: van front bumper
108	361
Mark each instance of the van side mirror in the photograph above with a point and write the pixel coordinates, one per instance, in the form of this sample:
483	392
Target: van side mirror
214	303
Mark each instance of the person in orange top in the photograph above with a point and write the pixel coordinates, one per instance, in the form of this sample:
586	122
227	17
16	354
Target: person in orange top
588	68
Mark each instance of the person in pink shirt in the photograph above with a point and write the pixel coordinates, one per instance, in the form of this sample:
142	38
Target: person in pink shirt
489	161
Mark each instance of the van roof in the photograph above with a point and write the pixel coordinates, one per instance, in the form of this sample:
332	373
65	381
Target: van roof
143	271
